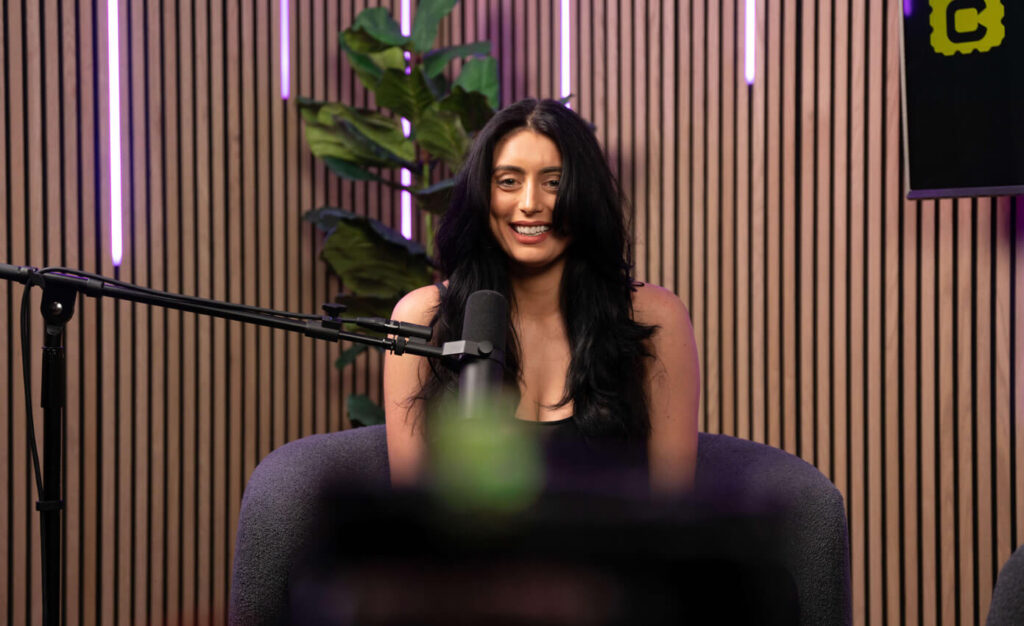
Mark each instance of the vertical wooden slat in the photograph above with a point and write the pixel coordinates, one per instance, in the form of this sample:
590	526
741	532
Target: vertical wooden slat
17	611
964	411
140	348
891	550
651	62
789	210
250	416
727	310
174	132
842	213
154	555
981	544
946	427
7	335
910	410
930	407
1003	389
808	349
189	182
744	274
772	77
712	278
1018	364
695	239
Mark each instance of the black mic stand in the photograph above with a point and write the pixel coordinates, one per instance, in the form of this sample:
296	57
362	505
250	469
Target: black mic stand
61	287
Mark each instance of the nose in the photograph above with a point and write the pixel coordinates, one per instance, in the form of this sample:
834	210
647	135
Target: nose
530	202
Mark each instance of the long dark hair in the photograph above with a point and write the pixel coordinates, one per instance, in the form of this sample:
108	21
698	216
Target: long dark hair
606	375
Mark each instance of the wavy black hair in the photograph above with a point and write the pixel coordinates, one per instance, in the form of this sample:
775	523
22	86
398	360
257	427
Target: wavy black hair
608	348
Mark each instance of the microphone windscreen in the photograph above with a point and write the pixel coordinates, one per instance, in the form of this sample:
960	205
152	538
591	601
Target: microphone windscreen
486	318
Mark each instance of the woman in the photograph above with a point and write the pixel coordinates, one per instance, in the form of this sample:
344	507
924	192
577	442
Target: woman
537	215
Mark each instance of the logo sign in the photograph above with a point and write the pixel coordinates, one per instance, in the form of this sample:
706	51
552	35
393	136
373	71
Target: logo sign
966	26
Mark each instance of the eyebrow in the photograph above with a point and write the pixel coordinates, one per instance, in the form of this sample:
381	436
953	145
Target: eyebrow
519	170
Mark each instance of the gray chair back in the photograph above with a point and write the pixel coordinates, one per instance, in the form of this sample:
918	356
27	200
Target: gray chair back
279	504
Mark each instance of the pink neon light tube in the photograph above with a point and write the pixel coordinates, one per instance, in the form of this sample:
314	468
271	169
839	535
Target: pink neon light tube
749	43
114	112
406	197
285	75
564	50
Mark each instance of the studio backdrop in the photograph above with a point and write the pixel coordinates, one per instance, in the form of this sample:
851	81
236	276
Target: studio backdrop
878	338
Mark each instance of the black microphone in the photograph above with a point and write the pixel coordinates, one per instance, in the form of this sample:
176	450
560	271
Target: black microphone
486	323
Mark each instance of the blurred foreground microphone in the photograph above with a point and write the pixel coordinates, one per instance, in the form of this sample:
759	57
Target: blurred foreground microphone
486	324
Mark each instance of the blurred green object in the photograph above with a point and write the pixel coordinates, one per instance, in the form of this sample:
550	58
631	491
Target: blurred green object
485	461
376	264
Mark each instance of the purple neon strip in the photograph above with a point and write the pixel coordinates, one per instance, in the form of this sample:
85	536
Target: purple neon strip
286	81
565	88
749	43
908	8
114	110
406	201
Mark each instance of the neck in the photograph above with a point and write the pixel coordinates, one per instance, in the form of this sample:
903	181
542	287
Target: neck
537	292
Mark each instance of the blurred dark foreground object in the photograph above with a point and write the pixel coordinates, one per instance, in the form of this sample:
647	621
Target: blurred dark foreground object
381	557
280	511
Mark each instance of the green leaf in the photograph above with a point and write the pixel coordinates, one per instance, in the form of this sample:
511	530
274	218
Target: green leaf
349	170
441	134
349	356
471	107
389	59
371	259
428	16
405	94
435	198
378	31
368	137
435	61
368	72
363	412
480	75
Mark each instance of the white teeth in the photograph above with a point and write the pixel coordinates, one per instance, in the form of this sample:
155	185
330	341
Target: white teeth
531	230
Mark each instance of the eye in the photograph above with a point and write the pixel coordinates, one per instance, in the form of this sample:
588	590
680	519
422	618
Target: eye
506	182
553	183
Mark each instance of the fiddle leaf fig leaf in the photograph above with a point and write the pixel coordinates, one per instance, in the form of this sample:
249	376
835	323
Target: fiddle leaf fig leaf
480	75
406	94
369	73
371	259
362	138
389	59
435	198
348	357
441	134
428	17
471	107
374	30
363	412
435	61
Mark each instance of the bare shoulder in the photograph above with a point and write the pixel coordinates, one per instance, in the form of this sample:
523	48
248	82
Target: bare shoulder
418	306
657	306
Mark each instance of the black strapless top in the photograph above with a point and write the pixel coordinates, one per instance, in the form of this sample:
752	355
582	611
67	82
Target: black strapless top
579	463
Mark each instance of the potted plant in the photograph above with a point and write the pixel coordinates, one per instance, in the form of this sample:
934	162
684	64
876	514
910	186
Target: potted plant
375	264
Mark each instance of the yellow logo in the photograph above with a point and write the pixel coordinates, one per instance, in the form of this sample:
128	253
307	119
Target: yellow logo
966	26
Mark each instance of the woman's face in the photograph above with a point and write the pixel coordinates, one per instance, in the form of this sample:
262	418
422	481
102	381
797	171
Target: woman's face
524	186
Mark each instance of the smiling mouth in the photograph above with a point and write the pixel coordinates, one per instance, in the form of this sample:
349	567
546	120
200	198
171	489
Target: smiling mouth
531	231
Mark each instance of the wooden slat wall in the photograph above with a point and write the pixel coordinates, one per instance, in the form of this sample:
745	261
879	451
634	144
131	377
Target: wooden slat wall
877	338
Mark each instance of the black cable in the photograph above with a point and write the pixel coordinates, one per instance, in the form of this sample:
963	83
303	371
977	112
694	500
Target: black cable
25	373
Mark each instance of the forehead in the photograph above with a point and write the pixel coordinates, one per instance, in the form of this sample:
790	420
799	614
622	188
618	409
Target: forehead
527	149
